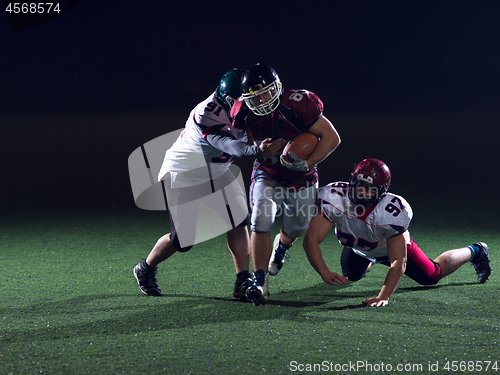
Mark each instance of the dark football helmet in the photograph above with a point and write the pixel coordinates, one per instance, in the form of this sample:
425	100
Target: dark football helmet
230	87
375	176
261	89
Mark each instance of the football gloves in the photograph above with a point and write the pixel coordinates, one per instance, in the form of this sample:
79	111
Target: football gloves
296	164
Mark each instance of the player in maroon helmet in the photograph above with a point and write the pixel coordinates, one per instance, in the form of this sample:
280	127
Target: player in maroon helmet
372	225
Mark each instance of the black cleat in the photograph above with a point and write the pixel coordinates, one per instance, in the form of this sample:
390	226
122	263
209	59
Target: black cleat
255	294
146	278
258	291
243	282
481	263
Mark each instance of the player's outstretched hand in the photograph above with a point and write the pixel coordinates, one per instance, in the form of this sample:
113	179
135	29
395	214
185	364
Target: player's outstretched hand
269	148
333	278
376	302
296	164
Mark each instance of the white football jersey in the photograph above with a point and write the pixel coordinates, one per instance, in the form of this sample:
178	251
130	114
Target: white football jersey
192	160
365	230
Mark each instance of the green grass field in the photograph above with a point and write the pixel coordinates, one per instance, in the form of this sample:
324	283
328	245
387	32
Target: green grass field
71	305
70	236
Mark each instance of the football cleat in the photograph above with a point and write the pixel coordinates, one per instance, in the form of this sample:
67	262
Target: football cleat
259	290
243	282
481	263
146	278
277	257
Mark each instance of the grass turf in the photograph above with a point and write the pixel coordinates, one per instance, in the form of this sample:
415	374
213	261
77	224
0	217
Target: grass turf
70	305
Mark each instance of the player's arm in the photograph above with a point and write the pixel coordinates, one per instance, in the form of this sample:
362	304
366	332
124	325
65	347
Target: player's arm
329	140
396	250
237	148
317	232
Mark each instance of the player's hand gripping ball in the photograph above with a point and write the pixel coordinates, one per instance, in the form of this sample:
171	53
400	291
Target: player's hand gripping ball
298	150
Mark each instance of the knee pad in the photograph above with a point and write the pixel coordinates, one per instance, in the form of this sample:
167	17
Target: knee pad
262	226
263	215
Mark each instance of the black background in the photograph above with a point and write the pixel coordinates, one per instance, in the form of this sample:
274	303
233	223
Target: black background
415	84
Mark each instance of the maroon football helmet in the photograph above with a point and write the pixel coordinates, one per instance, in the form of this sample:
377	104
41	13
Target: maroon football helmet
375	176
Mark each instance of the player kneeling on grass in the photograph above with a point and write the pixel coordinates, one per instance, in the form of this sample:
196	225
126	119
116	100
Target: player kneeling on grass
372	225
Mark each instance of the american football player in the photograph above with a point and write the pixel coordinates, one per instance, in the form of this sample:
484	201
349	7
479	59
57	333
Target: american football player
265	110
372	225
200	156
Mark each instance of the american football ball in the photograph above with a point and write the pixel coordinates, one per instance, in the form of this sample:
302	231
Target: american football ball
302	145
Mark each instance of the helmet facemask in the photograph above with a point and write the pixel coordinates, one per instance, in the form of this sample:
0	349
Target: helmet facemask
370	194
254	99
375	177
230	101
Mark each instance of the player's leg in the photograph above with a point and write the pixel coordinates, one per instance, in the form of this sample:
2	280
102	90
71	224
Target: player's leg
238	242
235	212
265	201
428	272
145	272
354	266
162	250
299	209
285	239
281	244
452	260
476	255
260	244
419	267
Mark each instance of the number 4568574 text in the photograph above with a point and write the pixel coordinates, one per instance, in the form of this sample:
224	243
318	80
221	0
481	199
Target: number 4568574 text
33	8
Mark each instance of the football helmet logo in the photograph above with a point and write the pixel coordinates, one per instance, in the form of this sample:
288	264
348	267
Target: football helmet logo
261	89
374	175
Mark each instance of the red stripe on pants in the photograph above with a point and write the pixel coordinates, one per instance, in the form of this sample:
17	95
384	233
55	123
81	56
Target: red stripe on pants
433	270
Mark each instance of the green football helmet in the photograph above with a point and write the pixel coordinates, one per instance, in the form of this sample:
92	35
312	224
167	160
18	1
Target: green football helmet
230	87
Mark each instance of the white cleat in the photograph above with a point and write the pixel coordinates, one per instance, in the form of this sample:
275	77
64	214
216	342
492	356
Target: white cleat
277	257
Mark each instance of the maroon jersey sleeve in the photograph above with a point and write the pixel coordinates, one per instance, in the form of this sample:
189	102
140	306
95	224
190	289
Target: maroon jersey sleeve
303	104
